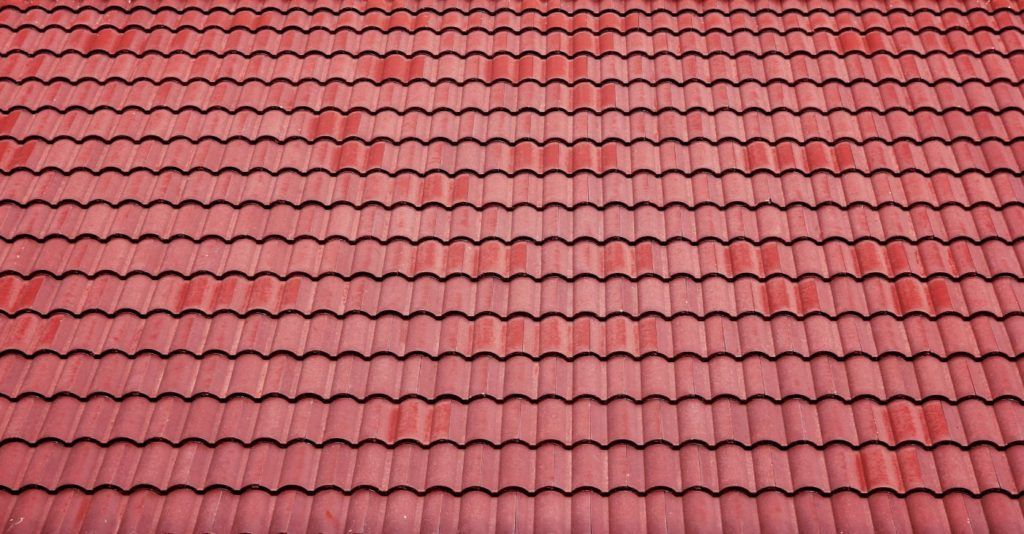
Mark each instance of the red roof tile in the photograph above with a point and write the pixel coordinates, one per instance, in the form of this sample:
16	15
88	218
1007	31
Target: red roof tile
466	265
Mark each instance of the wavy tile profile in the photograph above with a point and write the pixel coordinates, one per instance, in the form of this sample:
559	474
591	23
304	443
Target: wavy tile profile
478	266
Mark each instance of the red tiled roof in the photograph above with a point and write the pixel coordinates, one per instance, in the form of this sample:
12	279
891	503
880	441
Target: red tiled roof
519	266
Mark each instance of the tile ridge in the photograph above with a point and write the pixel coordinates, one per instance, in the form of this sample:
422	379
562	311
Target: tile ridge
533	446
51	10
803	490
505	317
519	31
124	275
806	356
514	397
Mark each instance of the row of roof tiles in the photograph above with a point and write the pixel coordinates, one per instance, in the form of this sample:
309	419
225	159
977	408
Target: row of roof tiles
183	510
585	297
545	7
342	66
525	223
957	157
463	189
554	127
755	423
816	335
309	259
319	377
640	96
455	17
425	38
514	467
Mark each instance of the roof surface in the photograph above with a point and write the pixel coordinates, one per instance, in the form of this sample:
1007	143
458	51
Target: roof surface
475	266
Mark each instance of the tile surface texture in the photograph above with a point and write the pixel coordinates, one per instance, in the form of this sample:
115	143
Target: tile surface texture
477	265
